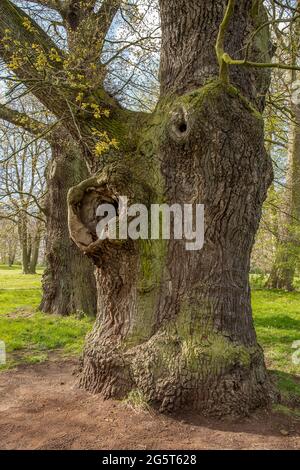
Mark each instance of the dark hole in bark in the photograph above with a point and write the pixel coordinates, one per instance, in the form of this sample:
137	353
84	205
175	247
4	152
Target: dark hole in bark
183	127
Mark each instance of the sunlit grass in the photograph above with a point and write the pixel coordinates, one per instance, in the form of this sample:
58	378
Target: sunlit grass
30	335
277	322
19	291
26	300
12	278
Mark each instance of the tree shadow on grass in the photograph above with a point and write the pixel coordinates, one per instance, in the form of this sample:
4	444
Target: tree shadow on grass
278	321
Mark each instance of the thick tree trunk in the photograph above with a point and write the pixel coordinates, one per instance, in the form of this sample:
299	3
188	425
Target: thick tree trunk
172	324
68	281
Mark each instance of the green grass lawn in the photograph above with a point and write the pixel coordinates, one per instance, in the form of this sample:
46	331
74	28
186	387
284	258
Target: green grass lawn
277	323
30	335
18	291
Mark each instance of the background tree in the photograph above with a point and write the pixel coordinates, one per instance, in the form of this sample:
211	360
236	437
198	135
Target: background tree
21	192
8	240
68	282
67	271
277	247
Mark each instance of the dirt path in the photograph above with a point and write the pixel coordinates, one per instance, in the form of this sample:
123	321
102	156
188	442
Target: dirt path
41	408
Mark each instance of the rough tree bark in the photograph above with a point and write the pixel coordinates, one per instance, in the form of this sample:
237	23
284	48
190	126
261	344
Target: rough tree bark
68	282
176	325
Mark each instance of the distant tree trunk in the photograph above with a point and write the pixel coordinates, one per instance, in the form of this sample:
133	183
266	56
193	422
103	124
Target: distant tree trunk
176	325
35	247
68	281
24	245
12	249
283	269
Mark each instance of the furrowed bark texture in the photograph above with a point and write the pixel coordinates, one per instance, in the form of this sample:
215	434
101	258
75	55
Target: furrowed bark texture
175	326
189	33
68	281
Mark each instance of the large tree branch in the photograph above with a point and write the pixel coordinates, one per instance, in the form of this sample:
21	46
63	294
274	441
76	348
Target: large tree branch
85	26
67	85
29	124
22	54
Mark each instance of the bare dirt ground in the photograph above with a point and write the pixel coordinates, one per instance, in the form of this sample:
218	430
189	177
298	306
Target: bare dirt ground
41	408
